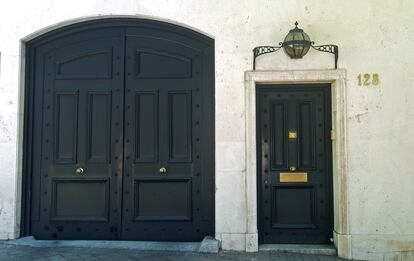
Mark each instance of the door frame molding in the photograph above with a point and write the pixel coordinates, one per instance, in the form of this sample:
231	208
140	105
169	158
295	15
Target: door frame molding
28	45
337	78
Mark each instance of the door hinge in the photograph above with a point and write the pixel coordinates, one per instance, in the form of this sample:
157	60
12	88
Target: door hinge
333	136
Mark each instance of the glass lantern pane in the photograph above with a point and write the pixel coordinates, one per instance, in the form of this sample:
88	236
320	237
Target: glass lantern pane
289	51
288	37
298	50
306	37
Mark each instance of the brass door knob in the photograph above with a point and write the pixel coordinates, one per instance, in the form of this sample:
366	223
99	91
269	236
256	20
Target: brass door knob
163	170
80	171
292	168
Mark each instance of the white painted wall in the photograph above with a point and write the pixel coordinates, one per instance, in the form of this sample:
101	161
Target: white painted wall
374	36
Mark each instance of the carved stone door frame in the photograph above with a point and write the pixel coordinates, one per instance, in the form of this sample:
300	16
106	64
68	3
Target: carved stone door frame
337	78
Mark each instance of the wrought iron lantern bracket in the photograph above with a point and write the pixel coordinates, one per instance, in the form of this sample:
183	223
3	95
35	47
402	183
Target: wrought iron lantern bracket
305	43
260	50
328	48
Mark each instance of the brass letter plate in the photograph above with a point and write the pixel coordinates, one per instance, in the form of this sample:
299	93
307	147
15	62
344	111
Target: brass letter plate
293	177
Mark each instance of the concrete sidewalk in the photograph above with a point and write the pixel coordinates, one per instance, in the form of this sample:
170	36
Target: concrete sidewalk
13	252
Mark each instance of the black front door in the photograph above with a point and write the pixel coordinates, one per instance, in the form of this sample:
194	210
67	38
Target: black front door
294	163
122	137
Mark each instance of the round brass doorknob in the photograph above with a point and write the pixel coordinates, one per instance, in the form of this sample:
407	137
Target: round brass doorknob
163	170
292	168
79	171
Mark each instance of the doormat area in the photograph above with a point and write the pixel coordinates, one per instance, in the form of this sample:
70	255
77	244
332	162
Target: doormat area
326	250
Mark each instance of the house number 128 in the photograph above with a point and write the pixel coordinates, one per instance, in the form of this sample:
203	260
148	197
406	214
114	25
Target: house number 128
367	79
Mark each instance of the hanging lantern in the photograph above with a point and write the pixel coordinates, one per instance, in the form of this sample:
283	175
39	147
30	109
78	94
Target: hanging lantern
296	45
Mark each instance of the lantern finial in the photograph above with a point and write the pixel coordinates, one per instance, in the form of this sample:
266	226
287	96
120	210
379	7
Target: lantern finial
296	23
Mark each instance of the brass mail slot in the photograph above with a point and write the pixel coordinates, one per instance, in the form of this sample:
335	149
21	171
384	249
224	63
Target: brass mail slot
293	177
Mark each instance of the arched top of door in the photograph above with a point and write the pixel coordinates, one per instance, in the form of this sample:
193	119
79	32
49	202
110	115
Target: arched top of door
90	23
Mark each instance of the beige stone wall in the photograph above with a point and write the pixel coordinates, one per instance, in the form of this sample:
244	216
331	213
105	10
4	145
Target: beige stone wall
374	37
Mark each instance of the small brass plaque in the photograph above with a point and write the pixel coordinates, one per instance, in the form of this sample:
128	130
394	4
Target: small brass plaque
293	177
293	134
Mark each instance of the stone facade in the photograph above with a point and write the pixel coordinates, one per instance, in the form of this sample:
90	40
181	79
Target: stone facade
374	217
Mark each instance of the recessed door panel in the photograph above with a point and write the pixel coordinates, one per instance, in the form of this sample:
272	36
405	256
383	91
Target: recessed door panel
99	126
80	200
66	125
306	134
293	207
83	63
162	200
146	126
179	126
278	128
153	63
294	164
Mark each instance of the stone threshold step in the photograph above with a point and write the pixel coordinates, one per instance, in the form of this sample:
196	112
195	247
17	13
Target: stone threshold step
208	245
327	250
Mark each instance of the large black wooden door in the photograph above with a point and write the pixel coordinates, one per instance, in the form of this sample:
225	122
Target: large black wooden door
123	132
76	192
167	195
294	163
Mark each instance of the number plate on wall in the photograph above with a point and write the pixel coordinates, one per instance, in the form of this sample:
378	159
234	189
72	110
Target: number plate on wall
293	177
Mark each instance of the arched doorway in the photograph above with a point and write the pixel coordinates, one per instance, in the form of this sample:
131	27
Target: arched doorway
119	136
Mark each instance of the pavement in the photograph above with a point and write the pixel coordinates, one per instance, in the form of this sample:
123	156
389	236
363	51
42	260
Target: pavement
19	252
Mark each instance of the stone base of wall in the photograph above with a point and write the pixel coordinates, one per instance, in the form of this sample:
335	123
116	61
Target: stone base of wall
232	241
9	235
359	247
238	241
381	247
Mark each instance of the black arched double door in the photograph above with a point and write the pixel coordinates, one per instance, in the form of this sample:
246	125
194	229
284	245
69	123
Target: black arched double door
121	132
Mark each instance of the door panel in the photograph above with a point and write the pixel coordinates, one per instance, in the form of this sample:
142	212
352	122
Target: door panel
278	128
99	135
179	118
292	207
66	121
150	63
170	200
306	135
293	126
146	128
79	63
88	200
82	127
